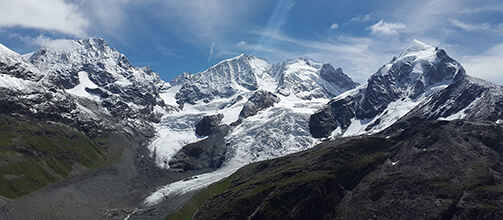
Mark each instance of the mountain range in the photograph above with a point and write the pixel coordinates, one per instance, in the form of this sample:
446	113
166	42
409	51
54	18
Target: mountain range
83	123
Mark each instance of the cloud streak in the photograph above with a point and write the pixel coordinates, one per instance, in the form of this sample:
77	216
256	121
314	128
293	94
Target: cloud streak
211	51
359	57
363	18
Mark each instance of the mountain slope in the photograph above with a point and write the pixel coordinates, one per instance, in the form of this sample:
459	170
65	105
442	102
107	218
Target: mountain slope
433	170
469	98
91	130
229	88
90	87
266	107
396	88
92	70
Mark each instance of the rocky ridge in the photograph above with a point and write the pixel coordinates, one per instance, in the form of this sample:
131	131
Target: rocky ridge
420	71
442	169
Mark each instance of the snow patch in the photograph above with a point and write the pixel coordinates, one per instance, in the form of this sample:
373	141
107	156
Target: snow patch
80	89
458	115
7	81
393	112
169	95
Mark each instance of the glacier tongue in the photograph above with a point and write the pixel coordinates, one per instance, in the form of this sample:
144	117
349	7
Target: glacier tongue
301	86
224	89
274	132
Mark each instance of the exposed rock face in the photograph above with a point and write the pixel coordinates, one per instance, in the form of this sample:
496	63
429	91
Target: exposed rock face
303	78
260	100
337	77
436	170
125	91
208	153
222	80
309	80
206	126
470	99
322	123
420	71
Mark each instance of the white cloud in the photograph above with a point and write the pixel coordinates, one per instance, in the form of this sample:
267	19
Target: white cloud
203	18
386	29
106	14
486	65
334	26
43	41
241	43
486	26
52	15
358	57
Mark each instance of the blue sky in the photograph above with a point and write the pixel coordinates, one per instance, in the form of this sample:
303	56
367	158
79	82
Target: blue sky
177	36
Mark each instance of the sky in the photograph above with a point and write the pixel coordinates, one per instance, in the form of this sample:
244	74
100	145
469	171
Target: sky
174	36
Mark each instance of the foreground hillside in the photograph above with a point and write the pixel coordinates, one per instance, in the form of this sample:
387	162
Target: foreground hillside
436	170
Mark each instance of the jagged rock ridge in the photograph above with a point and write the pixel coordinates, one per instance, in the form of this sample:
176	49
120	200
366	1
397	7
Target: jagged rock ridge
420	71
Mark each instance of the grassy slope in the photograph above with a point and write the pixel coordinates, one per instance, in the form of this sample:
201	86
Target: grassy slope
440	170
296	174
35	154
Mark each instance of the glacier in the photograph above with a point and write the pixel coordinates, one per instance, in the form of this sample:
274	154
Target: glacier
302	85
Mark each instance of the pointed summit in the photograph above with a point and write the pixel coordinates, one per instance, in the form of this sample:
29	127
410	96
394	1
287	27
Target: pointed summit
417	49
6	51
397	87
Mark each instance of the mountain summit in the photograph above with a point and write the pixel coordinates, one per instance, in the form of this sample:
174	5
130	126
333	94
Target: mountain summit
159	140
420	71
303	78
421	84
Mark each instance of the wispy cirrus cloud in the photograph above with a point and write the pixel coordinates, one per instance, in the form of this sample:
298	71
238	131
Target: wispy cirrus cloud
485	26
362	18
212	47
359	57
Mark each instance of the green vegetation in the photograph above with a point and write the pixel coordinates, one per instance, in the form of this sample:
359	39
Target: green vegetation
295	180
35	154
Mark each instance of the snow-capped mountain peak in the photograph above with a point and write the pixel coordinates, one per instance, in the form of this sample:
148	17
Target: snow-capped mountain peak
420	71
417	50
13	65
244	73
6	51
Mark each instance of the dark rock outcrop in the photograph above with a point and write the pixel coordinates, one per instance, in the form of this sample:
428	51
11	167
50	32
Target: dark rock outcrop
337	77
260	100
416	73
322	123
207	153
434	170
207	125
